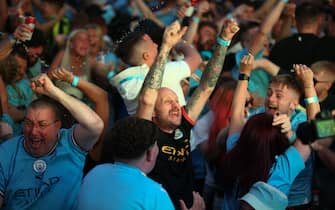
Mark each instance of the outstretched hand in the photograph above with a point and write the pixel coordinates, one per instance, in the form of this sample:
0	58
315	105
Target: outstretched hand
229	29
173	34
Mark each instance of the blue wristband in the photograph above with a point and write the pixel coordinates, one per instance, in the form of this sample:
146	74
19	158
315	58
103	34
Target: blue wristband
196	19
285	1
222	42
311	100
75	81
110	75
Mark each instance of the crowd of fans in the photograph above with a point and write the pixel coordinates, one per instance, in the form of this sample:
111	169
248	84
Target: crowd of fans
175	104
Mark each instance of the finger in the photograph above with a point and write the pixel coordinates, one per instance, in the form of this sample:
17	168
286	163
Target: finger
182	205
183	31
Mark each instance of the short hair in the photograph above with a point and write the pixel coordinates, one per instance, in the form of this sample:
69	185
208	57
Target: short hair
325	66
209	24
61	113
127	50
9	69
152	29
288	80
307	12
129	139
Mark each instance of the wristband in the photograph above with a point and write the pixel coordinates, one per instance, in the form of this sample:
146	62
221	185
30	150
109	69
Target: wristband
285	1
222	42
12	40
110	75
243	77
293	137
311	100
75	81
196	19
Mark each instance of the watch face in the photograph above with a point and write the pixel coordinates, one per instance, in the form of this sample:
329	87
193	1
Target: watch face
243	77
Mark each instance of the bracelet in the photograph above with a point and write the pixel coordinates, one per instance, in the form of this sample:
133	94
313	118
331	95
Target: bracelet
285	1
311	100
196	19
110	75
12	40
222	42
75	81
242	76
293	137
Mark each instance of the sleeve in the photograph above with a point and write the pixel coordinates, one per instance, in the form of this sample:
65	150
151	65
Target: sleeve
78	154
285	169
164	201
232	141
177	71
201	129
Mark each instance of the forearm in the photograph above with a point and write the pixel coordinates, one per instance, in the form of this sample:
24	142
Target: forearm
286	28
151	84
207	82
191	55
16	114
84	115
264	9
6	47
266	27
147	13
327	156
192	30
311	108
268	66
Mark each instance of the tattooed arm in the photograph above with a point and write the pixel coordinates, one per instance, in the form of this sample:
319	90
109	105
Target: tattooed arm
153	80
211	73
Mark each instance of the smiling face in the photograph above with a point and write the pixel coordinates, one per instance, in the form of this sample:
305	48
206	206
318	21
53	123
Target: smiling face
80	44
40	130
280	98
167	114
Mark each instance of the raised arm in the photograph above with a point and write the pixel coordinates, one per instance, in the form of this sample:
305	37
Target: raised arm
305	75
90	125
191	55
147	13
203	7
212	71
238	116
153	80
266	27
96	94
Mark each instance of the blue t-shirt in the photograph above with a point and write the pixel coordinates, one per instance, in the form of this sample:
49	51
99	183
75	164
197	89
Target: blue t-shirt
48	182
121	186
283	172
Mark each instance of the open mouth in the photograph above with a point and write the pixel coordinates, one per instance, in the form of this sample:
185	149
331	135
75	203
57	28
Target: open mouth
272	107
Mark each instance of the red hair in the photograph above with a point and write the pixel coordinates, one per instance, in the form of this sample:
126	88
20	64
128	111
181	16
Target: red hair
221	105
254	154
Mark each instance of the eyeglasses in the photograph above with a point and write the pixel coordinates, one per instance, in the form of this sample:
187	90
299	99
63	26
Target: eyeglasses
248	102
41	125
315	81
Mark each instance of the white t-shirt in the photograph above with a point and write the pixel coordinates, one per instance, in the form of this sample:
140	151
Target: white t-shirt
129	82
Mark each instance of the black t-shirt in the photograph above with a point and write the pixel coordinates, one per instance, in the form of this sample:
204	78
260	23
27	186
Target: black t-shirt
296	49
328	103
173	168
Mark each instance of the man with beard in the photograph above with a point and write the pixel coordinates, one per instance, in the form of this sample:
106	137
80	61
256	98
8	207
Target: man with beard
173	167
42	168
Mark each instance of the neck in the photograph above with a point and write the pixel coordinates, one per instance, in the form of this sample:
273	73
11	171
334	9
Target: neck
310	29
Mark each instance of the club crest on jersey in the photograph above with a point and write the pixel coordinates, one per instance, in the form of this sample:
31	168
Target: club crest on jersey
178	134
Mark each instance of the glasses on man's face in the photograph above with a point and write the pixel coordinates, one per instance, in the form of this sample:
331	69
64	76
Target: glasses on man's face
315	81
40	125
248	102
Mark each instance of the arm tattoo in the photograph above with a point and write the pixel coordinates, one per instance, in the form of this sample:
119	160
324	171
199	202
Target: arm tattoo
210	75
155	76
214	67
